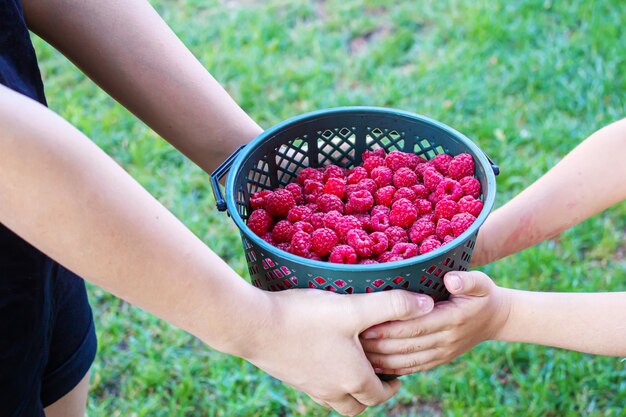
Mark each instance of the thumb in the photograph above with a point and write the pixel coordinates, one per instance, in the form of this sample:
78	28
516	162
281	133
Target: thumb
384	306
468	283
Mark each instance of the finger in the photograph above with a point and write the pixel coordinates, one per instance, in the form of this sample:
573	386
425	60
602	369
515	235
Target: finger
378	392
440	319
412	360
473	283
403	346
421	368
385	306
347	405
320	402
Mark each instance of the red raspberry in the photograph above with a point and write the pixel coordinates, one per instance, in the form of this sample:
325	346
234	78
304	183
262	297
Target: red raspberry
404	192
379	220
314	256
461	222
257	200
303	226
298	213
365	219
441	162
429	245
370	163
283	246
323	241
447	239
389	256
367	184
445	209
300	244
268	238
432	178
382	176
471	186
336	186
414	160
331	219
449	189
396	160
461	166
380	152
343	254
310	174
360	202
420	191
296	190
360	242
384	196
350	188
420	170
380	242
405	250
381	209
395	234
430	217
469	204
367	261
403	213
283	231
444	228
421	230
312	207
423	206
312	189
260	222
356	174
333	171
344	225
329	202
317	220
404	177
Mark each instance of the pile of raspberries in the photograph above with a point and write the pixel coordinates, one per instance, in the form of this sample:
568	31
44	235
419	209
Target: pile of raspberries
392	207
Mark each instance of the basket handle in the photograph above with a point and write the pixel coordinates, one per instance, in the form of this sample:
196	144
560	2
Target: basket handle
218	174
494	166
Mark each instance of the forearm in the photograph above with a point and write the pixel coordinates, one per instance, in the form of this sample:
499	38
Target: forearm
66	197
586	181
585	322
130	52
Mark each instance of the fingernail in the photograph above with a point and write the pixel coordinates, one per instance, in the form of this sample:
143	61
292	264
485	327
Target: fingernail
423	302
370	335
455	281
378	370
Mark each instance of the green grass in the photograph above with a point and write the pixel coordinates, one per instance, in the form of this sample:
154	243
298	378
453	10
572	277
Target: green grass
527	80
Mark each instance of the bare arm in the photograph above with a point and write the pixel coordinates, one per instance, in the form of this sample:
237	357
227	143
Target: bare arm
586	181
127	49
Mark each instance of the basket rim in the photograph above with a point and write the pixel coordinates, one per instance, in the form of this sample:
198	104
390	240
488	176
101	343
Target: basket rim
488	201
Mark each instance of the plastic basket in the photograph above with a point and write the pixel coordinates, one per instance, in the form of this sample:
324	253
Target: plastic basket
339	136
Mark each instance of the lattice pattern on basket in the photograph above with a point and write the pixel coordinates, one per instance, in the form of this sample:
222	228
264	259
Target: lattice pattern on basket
388	139
336	146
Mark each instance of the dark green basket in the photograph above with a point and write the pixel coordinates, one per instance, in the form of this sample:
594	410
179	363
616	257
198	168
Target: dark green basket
339	136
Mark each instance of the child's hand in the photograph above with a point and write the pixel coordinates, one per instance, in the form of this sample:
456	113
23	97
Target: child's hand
475	312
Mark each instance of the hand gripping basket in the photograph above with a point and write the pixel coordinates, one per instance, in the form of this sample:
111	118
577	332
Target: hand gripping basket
339	136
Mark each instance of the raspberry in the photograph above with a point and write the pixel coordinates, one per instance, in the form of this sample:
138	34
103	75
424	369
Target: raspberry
260	222
370	163
356	174
329	202
444	228
380	242
311	206
447	239
449	189
420	191
380	220
405	250
420	170
404	177
441	162
283	231
336	186
331	219
333	171
380	152
461	222
257	200
303	227
283	246
366	220
384	195
298	213
395	234
445	209
268	238
312	189
461	166
423	206
350	188
360	242
323	241
421	230
300	244
471	186
403	213
396	160
343	254
382	176
432	178
381	209
314	256
367	184
344	225
429	245
368	261
389	256
360	202
317	220
469	204
296	190
414	160
404	192
310	174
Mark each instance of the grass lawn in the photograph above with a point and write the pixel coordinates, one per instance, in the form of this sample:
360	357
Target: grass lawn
527	80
